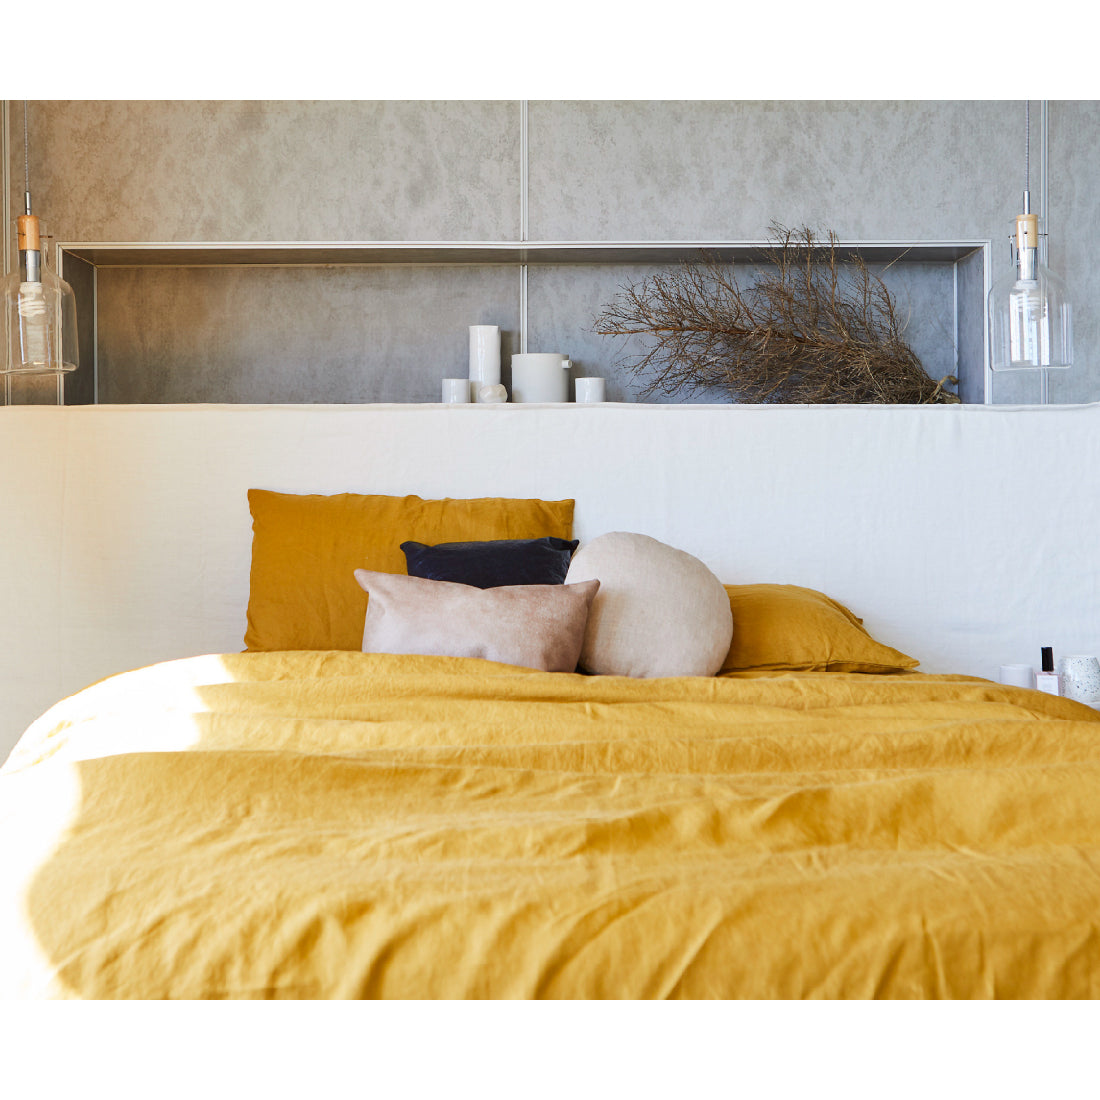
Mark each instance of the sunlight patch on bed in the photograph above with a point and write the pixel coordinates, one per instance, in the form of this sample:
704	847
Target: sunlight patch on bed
159	708
41	809
155	709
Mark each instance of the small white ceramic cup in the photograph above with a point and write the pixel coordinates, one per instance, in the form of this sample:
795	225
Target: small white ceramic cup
456	391
1081	679
591	390
1018	675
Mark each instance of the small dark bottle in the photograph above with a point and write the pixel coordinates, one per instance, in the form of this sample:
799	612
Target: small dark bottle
1048	680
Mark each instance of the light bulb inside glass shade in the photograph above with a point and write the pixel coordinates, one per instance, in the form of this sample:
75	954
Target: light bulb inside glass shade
34	333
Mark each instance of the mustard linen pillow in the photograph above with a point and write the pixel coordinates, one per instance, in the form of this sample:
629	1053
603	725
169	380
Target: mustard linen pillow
306	548
784	626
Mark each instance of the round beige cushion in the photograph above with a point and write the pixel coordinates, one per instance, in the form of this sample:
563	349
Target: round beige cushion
658	612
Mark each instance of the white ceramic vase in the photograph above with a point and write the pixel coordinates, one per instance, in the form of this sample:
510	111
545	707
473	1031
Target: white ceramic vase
484	357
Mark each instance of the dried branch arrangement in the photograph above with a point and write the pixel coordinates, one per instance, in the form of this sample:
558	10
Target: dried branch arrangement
810	329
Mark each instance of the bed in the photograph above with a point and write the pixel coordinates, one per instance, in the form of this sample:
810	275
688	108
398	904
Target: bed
816	816
307	825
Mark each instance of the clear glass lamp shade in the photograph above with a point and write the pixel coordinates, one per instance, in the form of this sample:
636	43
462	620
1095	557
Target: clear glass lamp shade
1030	323
40	326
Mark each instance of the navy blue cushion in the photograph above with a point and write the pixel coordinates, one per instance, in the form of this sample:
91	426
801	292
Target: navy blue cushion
492	564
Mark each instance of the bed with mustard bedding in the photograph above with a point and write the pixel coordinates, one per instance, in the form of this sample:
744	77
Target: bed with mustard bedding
343	824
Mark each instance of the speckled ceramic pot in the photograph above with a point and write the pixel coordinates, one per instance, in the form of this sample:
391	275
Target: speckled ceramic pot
1081	679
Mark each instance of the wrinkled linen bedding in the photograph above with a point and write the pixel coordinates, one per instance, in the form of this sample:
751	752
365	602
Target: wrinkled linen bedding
326	824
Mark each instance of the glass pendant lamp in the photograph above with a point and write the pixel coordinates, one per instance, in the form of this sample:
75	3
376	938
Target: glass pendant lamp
39	308
1030	316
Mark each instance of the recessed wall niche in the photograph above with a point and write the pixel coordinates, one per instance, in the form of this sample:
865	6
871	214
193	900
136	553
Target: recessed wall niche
389	329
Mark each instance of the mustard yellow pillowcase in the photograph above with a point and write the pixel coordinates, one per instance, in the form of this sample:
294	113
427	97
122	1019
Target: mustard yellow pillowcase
785	627
306	548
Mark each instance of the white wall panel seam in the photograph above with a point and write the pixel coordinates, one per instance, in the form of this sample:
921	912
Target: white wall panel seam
523	221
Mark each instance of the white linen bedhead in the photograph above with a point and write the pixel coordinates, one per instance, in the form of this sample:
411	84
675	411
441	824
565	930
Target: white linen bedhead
964	535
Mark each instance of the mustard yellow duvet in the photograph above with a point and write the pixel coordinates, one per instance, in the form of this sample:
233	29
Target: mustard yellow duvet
350	825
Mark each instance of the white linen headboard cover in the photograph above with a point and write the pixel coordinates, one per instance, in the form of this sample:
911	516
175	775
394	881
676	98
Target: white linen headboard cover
967	536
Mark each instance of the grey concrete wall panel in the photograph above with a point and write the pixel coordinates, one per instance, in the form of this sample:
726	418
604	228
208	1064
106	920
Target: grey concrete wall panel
352	334
253	171
1073	179
886	170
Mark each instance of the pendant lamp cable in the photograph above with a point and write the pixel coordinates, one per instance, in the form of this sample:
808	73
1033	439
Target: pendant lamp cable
26	162
1026	145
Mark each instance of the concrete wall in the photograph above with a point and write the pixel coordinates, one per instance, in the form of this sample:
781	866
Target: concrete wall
271	171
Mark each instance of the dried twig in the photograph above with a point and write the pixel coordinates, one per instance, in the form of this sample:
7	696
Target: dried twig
803	332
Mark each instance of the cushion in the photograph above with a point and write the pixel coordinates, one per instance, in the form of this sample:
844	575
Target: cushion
534	625
783	626
492	563
659	611
305	548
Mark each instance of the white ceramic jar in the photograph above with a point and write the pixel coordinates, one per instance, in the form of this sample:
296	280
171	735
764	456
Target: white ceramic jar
540	376
1081	679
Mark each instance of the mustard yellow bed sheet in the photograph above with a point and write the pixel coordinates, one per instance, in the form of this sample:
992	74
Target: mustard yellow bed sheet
305	825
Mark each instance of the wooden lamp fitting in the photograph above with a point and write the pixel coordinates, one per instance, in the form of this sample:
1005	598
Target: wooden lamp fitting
30	234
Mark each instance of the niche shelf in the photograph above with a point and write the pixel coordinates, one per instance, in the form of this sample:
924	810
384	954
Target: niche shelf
288	253
968	260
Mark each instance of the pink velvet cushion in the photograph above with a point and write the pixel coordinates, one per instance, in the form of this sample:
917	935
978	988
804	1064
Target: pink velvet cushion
533	625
